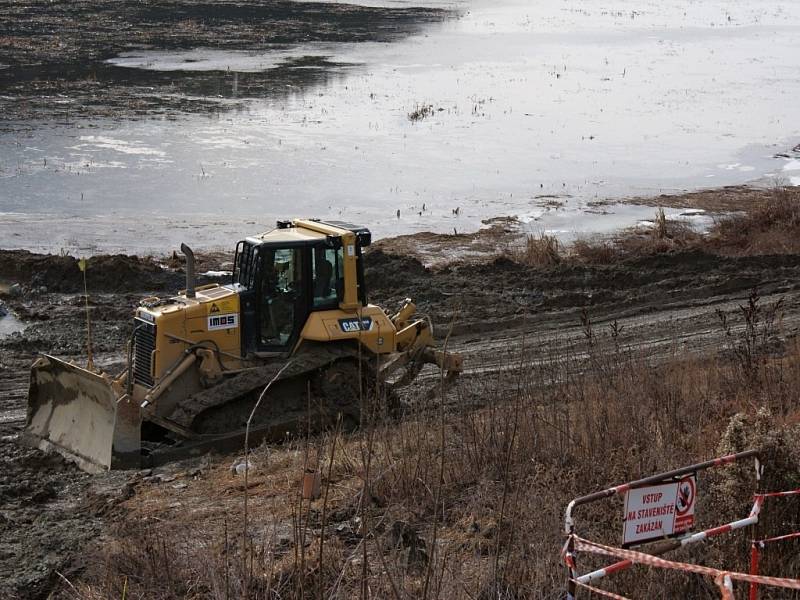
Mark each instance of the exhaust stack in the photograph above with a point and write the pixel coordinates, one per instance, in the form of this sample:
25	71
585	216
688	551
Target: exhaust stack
189	270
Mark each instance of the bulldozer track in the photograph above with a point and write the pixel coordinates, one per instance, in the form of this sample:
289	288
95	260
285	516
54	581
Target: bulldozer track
338	383
242	385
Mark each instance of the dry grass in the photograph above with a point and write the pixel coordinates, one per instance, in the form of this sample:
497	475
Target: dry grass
665	236
770	228
469	503
540	250
594	252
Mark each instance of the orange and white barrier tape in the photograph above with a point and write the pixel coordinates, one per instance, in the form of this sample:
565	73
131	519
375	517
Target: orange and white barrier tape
723	581
654	561
598	591
777	494
777	538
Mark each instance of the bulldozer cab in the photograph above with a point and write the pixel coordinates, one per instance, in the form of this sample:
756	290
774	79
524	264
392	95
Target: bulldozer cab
284	275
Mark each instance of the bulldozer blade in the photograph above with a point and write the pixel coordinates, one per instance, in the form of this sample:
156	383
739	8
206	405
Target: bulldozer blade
451	362
79	414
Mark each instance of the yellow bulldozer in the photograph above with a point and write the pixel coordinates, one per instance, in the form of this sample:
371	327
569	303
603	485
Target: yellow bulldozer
293	328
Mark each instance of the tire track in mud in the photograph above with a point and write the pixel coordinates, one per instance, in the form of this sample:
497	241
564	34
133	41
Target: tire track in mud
13	390
661	306
694	329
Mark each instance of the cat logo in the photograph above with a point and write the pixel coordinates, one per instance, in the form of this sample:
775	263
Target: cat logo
355	324
214	308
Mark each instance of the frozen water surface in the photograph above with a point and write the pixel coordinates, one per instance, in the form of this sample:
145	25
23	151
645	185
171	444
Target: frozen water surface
519	102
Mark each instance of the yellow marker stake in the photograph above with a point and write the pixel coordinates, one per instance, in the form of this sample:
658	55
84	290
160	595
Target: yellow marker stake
89	363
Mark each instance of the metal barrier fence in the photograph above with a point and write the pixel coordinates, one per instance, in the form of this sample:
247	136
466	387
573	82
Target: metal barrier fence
627	558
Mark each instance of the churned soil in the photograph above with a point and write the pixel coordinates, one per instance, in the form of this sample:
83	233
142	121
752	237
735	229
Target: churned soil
492	310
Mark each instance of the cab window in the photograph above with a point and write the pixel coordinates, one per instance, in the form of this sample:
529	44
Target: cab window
281	289
328	265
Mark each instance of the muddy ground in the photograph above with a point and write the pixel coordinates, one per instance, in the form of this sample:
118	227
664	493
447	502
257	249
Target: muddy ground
52	54
667	302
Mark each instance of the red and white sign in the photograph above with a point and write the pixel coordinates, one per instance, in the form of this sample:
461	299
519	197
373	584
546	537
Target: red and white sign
659	511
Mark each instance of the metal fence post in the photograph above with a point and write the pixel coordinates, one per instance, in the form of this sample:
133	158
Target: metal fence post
569	561
753	570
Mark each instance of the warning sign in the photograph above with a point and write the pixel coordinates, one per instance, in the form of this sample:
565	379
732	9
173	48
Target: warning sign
659	511
226	305
684	504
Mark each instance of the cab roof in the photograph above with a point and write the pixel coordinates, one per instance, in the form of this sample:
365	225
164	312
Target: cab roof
305	231
291	235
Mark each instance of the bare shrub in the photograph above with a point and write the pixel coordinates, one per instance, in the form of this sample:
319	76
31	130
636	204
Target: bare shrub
539	250
665	236
773	227
597	252
752	344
